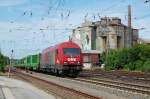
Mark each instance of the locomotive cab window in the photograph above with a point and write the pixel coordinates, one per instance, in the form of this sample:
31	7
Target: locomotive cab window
56	51
71	51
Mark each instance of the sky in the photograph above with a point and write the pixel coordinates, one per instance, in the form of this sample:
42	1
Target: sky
29	26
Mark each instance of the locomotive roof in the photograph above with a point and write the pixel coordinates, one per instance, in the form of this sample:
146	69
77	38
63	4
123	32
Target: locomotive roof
68	44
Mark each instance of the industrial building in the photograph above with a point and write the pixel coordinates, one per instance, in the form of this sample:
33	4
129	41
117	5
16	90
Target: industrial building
85	36
101	36
108	33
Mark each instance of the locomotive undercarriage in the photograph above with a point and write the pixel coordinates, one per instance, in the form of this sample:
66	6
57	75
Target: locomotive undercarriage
66	70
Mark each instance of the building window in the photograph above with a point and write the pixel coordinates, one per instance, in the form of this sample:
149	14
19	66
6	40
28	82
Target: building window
87	39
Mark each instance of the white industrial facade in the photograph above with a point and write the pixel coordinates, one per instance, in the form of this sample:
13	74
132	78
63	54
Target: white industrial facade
109	33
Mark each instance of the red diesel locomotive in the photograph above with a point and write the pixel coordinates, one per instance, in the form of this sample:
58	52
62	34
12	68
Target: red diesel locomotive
64	58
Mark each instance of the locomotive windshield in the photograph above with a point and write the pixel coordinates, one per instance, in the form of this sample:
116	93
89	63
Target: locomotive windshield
71	51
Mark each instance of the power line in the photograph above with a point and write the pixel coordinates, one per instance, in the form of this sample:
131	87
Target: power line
99	14
112	6
142	17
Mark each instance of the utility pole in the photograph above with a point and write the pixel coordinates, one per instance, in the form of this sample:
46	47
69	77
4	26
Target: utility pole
9	68
70	38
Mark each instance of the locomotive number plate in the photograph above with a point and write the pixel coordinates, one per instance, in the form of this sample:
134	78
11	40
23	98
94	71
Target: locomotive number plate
71	59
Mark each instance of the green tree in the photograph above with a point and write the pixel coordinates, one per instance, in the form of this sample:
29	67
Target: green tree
146	66
111	59
135	58
3	61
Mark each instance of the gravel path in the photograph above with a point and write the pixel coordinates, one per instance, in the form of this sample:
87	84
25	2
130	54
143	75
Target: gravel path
95	90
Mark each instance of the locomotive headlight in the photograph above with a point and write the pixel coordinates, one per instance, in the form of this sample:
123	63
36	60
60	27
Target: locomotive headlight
65	63
78	63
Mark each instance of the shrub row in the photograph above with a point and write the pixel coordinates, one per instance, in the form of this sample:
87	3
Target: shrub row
135	58
3	61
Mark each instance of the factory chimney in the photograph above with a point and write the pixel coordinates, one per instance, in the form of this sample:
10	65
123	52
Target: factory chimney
129	16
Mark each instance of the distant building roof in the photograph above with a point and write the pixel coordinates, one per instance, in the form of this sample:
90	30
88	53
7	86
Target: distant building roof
143	41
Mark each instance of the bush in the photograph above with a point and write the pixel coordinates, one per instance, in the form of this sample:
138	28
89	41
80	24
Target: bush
146	66
110	60
1	68
134	58
3	62
138	64
131	66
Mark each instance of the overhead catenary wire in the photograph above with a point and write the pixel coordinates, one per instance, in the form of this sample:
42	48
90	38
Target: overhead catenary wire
63	14
142	17
100	13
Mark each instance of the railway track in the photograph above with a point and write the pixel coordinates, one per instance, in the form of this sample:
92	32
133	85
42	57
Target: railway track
130	88
64	92
119	85
119	75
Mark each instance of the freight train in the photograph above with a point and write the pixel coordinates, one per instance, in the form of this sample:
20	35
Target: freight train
62	59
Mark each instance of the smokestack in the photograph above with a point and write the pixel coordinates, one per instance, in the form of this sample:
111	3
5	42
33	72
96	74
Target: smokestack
129	16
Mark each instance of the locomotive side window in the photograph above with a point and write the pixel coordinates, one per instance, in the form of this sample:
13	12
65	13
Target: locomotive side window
71	51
